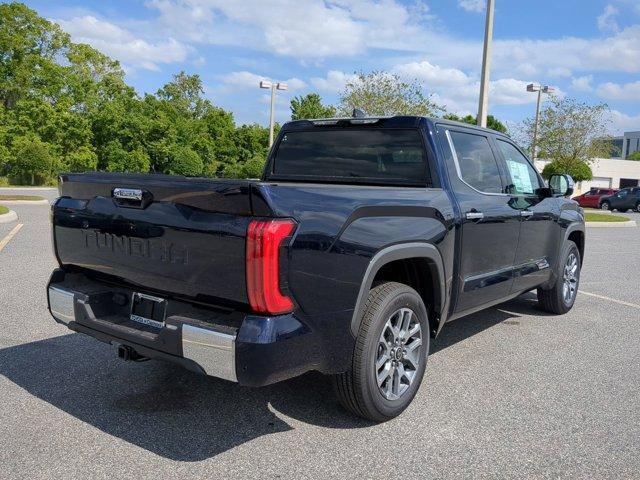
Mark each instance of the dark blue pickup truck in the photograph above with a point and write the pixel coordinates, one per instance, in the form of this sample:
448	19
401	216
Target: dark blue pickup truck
363	238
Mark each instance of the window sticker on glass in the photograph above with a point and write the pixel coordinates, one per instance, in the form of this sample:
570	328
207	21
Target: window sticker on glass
520	177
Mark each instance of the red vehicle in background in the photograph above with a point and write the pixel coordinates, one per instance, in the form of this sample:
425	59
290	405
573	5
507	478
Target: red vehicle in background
591	198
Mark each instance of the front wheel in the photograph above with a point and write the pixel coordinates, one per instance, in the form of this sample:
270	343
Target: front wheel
560	298
605	206
390	354
638	207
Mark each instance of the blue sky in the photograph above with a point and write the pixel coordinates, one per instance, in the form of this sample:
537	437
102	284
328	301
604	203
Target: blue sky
587	49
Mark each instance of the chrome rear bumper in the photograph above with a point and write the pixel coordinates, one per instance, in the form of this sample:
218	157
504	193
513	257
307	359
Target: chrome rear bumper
214	352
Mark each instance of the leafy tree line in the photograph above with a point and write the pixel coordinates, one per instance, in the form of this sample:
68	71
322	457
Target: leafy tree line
380	93
66	107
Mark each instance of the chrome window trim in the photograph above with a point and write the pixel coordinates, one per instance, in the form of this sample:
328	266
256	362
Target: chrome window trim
459	172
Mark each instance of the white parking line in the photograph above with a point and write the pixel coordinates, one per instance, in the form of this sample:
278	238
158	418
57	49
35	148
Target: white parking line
620	302
10	235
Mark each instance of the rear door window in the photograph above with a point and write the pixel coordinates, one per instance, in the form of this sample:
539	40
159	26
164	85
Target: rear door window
476	163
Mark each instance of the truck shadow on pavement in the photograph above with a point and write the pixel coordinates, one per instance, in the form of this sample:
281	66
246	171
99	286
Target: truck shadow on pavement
181	415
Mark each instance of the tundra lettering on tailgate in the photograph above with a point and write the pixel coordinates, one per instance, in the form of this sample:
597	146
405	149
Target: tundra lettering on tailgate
135	247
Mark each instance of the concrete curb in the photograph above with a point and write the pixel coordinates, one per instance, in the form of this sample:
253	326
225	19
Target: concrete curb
25	202
630	223
8	217
24	189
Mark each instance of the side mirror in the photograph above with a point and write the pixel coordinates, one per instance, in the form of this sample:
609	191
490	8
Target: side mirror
561	185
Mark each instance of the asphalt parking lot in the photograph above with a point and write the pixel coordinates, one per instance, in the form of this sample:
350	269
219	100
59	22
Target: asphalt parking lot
510	392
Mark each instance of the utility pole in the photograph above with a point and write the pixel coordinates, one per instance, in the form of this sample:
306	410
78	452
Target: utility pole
486	66
540	89
273	86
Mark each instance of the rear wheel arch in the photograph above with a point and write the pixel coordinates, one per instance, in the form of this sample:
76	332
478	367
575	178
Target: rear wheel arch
418	265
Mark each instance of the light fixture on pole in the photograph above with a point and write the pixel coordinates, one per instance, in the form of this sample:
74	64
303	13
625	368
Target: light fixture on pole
486	67
540	89
273	86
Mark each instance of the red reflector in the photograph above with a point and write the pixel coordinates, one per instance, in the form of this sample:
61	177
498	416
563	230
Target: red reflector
264	239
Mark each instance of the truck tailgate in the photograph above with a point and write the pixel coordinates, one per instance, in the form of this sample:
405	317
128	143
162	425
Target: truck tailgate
187	238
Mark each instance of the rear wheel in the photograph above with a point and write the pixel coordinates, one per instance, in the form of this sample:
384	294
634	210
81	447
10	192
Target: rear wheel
638	207
560	298
390	354
605	206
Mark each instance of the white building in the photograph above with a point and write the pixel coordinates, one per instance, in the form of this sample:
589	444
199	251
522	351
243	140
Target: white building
607	173
626	144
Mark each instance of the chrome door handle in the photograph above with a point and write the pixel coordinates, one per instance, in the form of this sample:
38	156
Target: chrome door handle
526	213
474	215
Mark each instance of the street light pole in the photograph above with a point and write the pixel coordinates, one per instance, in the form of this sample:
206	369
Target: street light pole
540	89
486	66
273	86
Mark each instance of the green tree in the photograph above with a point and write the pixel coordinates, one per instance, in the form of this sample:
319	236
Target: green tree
184	161
66	106
579	170
184	94
634	156
81	160
381	93
310	106
120	160
32	159
570	133
492	122
251	140
30	47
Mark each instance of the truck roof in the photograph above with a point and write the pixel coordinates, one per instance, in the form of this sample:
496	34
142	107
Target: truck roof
396	121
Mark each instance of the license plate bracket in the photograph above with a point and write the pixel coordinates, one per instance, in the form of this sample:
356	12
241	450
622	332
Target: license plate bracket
148	310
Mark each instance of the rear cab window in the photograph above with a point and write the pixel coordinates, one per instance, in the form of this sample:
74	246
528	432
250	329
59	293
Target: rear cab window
369	155
475	162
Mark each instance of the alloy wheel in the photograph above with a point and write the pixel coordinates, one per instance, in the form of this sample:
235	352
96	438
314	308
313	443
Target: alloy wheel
570	277
399	354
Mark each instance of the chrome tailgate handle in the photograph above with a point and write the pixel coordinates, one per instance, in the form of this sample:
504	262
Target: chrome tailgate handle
475	215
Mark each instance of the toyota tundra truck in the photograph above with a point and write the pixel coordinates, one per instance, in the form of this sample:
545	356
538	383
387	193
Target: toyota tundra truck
362	239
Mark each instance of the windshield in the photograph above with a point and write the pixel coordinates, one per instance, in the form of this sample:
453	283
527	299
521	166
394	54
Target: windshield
352	155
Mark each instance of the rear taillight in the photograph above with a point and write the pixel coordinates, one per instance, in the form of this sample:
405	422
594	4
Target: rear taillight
264	239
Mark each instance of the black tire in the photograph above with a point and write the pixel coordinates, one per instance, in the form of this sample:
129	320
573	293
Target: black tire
638	207
357	389
553	299
605	206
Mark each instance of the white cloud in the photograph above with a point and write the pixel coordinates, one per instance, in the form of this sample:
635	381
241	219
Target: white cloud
472	5
607	20
618	52
582	84
559	72
615	91
122	44
621	122
334	82
302	29
244	80
432	75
